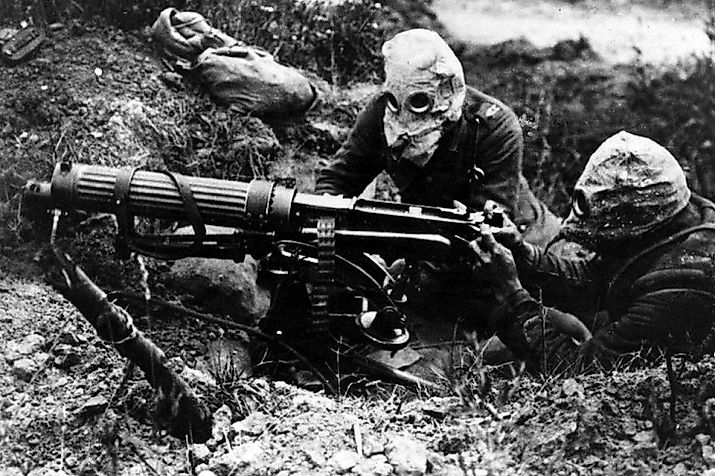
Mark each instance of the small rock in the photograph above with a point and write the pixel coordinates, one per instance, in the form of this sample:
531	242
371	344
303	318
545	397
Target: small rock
238	460
207	472
344	460
643	436
221	423
25	368
200	452
407	456
67	360
68	338
211	445
571	387
315	454
55	26
680	469
454	470
193	376
27	346
221	286
94	406
313	402
708	454
7	33
41	357
137	469
372	446
374	466
253	425
171	79
13	471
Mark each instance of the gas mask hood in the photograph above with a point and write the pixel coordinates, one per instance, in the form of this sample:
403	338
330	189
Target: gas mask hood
424	89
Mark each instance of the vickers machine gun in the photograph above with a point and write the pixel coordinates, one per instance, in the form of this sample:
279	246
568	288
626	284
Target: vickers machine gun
323	241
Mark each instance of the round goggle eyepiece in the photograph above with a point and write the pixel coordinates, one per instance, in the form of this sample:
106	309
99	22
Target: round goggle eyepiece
579	204
392	103
419	102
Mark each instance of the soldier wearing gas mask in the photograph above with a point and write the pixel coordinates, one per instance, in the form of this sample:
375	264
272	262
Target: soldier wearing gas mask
438	139
651	276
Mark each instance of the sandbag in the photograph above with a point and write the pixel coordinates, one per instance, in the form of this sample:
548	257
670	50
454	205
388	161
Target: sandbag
250	80
187	34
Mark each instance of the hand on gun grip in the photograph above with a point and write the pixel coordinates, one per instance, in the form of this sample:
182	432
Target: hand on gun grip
508	234
497	260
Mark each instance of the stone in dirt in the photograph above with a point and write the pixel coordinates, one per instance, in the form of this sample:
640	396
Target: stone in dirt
207	472
27	346
253	425
221	423
238	460
25	368
312	402
374	466
94	406
344	460
372	446
200	452
407	456
221	286
13	471
315	453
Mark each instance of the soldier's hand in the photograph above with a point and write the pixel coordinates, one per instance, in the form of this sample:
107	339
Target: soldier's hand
508	234
497	260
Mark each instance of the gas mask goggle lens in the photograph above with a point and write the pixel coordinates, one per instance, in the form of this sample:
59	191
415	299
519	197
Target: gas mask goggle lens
417	103
579	204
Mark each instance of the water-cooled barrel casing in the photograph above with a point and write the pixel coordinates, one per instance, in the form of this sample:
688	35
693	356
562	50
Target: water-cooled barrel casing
260	203
259	206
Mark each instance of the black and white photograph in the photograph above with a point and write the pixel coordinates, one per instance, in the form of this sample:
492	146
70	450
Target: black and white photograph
357	237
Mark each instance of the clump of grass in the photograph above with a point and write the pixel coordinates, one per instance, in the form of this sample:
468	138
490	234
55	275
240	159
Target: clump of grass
122	13
337	39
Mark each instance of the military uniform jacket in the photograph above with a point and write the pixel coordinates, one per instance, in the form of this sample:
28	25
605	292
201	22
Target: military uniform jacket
487	138
661	296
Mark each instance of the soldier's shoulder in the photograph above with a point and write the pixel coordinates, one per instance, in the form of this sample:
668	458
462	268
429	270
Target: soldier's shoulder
374	109
488	110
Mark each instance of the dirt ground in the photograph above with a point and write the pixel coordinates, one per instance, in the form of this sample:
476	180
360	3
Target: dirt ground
70	405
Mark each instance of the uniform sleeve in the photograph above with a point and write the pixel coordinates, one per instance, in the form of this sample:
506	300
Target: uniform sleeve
650	319
527	330
499	153
572	284
359	159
